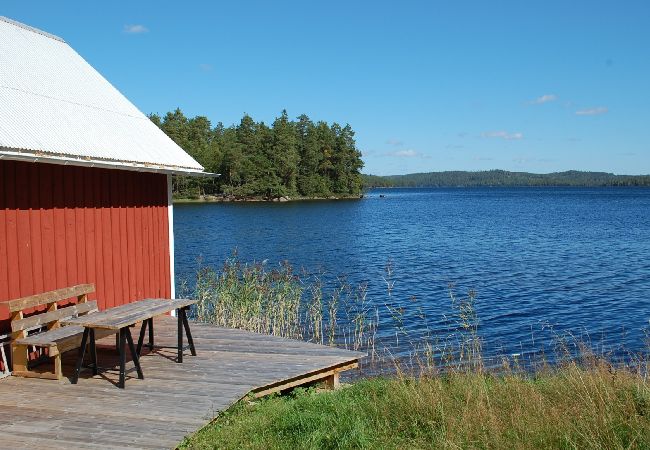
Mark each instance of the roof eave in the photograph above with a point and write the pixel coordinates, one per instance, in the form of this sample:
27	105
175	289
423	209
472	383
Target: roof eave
21	155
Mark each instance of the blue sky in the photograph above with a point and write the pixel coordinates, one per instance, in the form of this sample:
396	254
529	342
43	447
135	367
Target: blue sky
536	86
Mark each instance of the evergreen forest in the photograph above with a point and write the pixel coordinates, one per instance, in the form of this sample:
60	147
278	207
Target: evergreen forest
289	158
504	178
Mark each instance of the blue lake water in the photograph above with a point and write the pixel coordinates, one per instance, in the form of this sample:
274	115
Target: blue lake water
544	261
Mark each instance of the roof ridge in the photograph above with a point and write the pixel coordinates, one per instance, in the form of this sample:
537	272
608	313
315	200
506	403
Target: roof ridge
32	29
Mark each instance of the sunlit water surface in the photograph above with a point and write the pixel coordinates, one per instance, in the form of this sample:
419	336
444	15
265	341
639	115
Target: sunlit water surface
545	262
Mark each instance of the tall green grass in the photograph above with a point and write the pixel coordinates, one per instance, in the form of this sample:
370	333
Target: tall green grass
571	407
443	396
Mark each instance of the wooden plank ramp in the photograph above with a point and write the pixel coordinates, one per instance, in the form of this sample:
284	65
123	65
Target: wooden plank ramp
173	400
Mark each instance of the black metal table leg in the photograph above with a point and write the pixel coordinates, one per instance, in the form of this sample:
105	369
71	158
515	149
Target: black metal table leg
93	351
122	339
150	334
179	313
148	323
134	355
80	357
143	329
188	333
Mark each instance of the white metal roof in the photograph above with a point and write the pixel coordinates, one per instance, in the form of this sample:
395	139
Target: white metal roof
54	107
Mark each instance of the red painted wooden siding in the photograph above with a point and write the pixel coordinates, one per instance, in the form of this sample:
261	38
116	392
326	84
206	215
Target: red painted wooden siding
65	225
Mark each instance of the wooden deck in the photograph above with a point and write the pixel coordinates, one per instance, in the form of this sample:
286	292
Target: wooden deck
172	401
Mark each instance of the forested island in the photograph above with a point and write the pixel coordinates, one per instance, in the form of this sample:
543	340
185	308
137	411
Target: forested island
503	178
288	159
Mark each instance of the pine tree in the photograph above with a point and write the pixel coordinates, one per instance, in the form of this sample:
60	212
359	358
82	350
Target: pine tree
284	154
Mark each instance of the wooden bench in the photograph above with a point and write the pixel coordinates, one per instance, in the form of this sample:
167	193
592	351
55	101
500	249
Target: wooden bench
5	372
43	329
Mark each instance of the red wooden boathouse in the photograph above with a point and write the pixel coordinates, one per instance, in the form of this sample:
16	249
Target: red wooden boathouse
85	178
85	197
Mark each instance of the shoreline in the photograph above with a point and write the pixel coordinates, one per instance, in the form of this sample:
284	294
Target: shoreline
286	199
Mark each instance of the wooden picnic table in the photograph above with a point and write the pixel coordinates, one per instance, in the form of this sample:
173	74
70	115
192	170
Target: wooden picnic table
121	319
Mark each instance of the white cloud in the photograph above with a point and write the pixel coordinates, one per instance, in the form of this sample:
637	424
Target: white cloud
395	142
503	135
410	153
544	99
406	153
135	29
592	111
206	67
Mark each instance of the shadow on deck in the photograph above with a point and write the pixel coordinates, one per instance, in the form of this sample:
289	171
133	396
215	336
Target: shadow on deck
172	401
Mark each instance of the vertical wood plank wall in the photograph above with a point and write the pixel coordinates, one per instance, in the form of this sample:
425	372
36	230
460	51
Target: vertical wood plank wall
65	225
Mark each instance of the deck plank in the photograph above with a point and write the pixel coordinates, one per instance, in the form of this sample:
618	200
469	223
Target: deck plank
171	402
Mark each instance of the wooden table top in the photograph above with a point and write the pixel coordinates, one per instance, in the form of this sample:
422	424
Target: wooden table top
129	314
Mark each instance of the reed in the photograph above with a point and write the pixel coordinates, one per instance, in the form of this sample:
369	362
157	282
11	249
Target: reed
280	301
277	301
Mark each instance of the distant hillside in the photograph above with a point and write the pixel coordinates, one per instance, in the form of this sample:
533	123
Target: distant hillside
503	178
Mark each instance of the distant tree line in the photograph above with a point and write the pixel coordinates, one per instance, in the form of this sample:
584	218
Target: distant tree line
289	158
503	178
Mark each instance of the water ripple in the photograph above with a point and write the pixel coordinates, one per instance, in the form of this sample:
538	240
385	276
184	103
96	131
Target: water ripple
543	261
